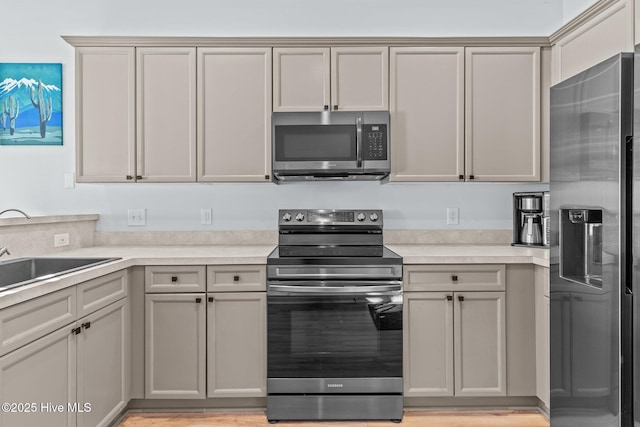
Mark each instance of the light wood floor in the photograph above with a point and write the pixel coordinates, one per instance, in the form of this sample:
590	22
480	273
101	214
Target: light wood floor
411	419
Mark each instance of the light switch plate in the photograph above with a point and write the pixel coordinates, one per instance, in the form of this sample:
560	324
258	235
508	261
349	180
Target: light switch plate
452	216
205	216
136	217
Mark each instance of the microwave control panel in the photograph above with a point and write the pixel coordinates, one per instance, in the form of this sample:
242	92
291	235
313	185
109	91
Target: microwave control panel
374	142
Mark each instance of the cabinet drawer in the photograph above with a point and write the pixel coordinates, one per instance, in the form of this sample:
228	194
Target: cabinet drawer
467	277
101	291
25	322
180	278
236	278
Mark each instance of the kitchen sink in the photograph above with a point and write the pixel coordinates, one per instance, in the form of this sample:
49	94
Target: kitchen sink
23	271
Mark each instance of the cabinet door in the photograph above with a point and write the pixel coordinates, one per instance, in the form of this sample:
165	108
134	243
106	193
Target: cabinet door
237	344
166	92
360	78
301	79
480	356
427	112
105	114
103	364
428	344
42	373
175	346
542	334
502	114
234	114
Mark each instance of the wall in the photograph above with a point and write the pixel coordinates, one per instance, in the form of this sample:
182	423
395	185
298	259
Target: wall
572	8
32	178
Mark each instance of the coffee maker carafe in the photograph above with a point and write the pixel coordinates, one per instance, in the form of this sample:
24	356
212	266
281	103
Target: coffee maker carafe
530	219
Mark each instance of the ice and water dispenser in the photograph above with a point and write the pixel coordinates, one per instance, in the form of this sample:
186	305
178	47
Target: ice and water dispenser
581	246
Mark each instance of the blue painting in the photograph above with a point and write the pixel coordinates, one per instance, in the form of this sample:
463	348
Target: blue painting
30	104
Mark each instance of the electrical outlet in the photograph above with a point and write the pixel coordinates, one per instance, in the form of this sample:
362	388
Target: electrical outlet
205	216
136	217
60	240
452	216
69	180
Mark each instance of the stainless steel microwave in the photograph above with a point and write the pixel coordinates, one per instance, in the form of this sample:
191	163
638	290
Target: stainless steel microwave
330	145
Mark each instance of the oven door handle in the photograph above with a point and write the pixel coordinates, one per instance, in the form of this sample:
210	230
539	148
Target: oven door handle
360	290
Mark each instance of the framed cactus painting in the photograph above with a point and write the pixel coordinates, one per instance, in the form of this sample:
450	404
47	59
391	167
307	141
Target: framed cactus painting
30	104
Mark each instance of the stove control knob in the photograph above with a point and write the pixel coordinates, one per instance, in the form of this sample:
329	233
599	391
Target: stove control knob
360	217
299	216
286	217
373	217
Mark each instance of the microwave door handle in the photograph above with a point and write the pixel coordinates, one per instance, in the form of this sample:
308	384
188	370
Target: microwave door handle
359	141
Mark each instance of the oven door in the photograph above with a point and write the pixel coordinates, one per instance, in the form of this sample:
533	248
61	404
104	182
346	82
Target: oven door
334	337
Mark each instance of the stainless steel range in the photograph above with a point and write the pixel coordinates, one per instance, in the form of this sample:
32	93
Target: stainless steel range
334	309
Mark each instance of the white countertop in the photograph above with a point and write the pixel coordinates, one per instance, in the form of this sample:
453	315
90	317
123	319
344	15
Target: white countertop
257	254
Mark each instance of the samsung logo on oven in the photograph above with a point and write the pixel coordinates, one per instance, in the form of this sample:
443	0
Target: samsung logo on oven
335	385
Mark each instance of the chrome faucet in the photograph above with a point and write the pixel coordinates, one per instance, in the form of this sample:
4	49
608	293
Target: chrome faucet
4	250
15	210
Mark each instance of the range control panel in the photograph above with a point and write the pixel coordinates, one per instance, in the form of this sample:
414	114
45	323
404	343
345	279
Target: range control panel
374	141
329	217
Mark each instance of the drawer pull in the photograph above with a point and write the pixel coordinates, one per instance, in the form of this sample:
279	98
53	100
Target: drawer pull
460	298
449	297
174	279
76	331
210	299
236	278
86	325
454	277
198	300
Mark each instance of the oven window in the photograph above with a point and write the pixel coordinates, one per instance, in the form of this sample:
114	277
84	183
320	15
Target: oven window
315	143
341	337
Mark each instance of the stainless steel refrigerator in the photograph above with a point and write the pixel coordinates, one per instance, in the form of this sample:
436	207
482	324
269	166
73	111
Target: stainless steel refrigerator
592	269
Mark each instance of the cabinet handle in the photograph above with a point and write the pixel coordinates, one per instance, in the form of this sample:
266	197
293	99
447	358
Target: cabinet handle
460	298
461	177
138	176
76	331
335	106
236	278
267	177
449	297
210	299
326	107
472	177
174	279
129	177
86	325
454	277
198	300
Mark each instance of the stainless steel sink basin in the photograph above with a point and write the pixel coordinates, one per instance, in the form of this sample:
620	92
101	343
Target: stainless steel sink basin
23	271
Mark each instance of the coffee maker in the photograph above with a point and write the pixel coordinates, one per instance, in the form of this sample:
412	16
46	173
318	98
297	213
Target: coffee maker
531	225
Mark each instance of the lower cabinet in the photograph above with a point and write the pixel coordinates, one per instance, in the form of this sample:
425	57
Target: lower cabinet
175	346
236	344
455	344
77	375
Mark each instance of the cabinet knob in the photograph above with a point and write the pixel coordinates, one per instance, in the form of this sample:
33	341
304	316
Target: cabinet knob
335	107
449	297
267	177
174	279
138	176
454	277
461	177
236	278
472	177
198	300
210	299
76	331
460	298
326	107
86	325
129	177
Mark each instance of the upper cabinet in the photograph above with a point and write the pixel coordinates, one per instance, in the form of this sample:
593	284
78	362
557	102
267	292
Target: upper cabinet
502	114
234	114
337	78
427	113
166	112
105	114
